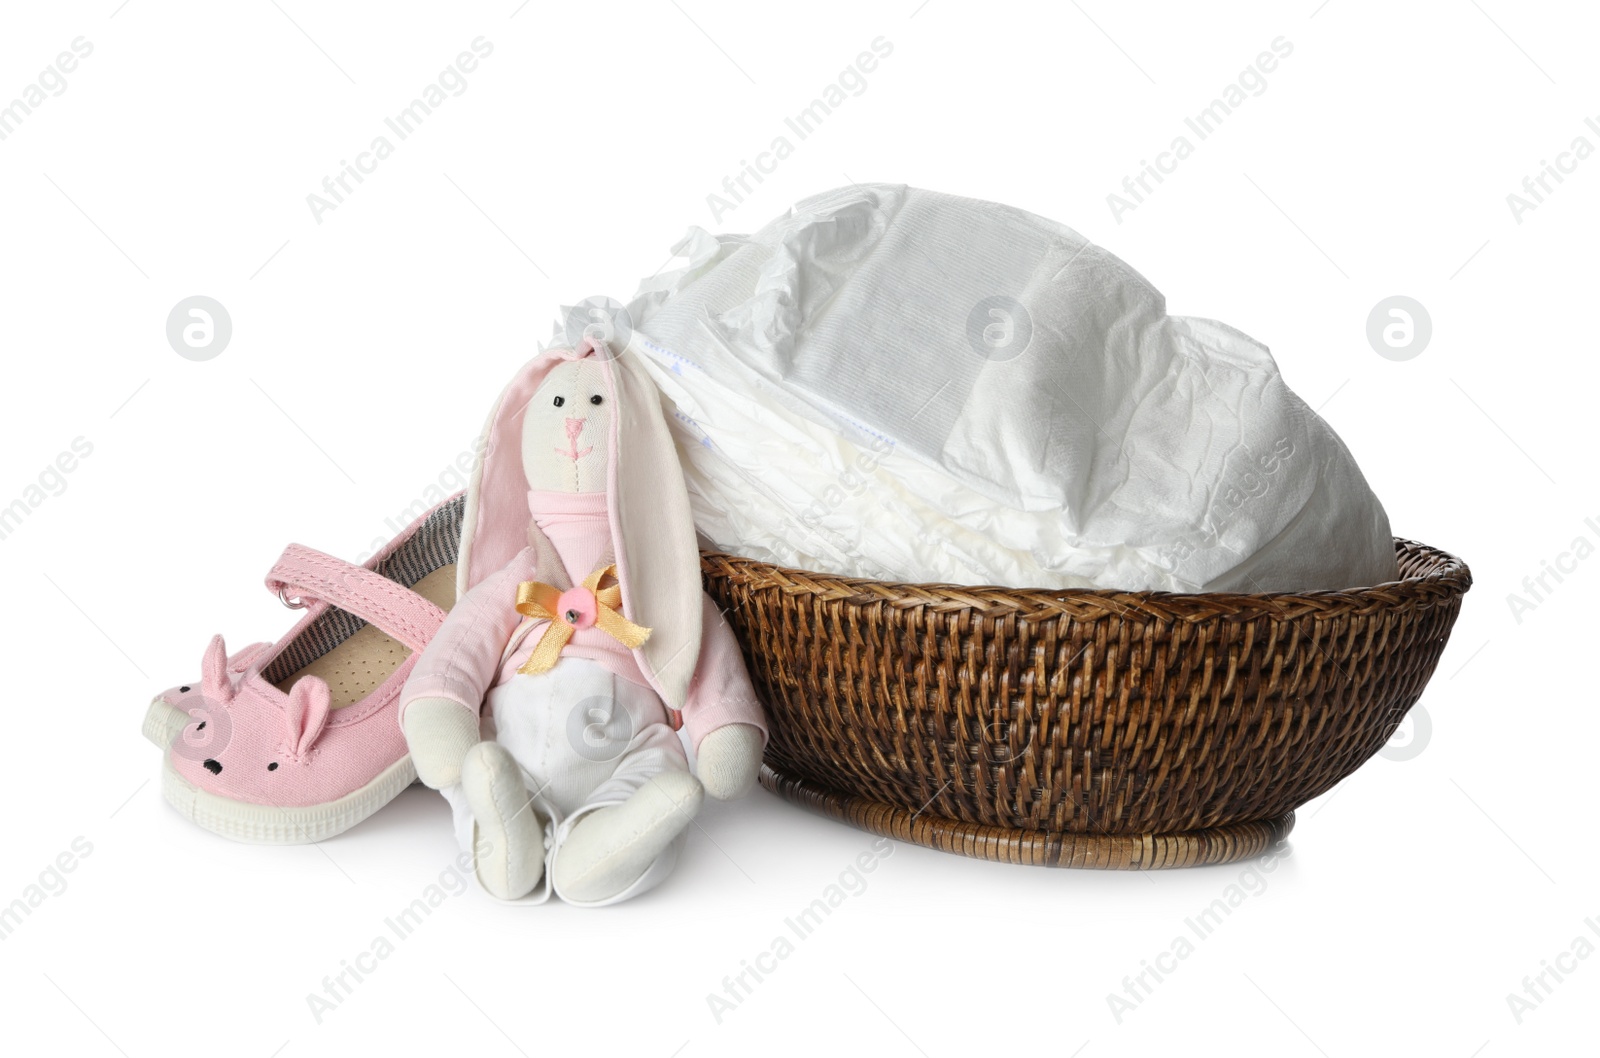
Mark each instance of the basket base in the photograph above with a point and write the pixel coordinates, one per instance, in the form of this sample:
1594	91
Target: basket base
1112	852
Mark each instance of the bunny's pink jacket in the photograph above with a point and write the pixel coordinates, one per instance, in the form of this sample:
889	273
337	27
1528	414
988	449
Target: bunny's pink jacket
469	656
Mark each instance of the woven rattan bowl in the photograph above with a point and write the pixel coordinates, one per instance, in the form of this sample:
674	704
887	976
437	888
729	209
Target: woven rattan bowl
1079	728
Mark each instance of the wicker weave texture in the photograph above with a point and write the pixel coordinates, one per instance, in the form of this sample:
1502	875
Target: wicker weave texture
1046	715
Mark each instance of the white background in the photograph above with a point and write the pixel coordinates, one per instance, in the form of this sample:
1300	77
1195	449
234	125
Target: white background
367	347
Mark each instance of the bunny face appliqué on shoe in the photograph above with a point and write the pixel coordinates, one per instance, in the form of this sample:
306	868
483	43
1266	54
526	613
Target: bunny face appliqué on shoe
247	738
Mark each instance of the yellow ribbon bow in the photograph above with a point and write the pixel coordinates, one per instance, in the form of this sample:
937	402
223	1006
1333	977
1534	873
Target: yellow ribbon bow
543	602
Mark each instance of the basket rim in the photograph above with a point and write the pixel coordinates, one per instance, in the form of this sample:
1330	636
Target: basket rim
1445	576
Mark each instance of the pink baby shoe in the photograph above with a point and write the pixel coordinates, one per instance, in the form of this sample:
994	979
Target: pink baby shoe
296	741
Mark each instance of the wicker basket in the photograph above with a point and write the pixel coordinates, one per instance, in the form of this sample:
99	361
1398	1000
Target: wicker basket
1079	728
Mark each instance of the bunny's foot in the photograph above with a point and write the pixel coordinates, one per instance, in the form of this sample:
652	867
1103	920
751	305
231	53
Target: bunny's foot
611	848
510	845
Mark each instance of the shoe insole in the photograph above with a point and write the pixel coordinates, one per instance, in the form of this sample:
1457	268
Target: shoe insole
358	666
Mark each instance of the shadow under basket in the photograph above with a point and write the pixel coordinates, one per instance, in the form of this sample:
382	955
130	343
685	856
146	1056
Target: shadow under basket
1107	729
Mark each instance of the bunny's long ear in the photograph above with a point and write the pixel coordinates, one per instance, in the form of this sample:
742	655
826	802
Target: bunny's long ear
497	524
658	557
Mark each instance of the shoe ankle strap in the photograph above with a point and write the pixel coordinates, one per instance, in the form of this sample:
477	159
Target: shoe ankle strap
308	574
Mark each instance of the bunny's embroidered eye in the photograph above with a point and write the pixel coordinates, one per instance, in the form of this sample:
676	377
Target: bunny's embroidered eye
560	401
273	766
595	399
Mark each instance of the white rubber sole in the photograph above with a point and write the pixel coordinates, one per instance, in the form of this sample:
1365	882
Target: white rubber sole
282	824
163	723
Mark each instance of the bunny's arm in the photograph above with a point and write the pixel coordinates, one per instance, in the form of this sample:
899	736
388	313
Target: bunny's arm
461	661
720	693
721	713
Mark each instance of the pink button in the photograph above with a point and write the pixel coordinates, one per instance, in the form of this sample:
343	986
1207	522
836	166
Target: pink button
577	607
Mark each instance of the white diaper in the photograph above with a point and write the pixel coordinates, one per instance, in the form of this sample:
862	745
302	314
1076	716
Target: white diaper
894	383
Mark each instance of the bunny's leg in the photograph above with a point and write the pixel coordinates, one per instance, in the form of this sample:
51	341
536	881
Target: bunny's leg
496	815
509	850
625	838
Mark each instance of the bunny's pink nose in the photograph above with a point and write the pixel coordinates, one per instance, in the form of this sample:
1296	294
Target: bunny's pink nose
572	452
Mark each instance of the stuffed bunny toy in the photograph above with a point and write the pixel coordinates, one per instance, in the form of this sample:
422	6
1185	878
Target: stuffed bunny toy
545	708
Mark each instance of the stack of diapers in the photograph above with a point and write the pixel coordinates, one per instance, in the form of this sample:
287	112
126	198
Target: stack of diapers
893	383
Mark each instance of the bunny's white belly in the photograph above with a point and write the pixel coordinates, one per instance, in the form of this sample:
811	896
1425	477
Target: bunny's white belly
584	737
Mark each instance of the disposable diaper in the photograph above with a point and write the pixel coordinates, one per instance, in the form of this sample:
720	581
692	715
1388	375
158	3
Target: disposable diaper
893	383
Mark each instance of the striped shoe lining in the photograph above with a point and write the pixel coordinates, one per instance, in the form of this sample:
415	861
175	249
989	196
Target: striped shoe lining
435	544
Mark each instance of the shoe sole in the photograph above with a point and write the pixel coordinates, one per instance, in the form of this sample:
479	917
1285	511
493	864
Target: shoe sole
163	723
257	824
